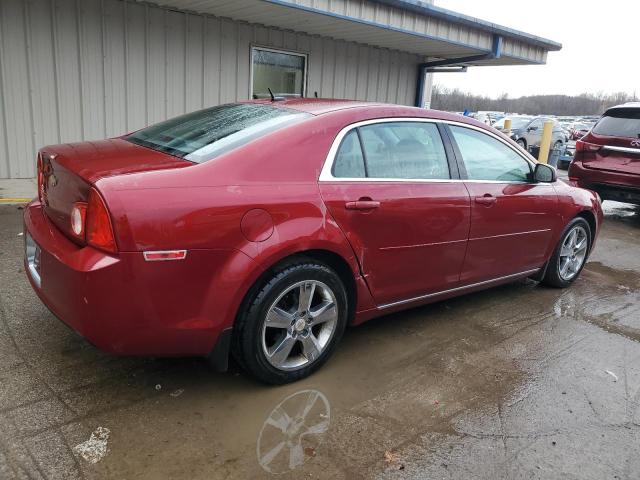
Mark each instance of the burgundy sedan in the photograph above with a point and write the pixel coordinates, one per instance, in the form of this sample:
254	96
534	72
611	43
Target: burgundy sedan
262	229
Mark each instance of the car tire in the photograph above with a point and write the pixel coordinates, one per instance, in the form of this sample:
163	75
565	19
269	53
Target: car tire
522	142
569	257
274	353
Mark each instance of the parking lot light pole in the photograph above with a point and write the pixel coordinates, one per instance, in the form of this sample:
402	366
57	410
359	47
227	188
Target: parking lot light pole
545	142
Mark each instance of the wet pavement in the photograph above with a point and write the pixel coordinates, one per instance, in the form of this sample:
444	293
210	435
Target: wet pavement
520	381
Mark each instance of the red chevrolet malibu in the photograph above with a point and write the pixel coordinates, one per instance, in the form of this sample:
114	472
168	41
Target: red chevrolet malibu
263	229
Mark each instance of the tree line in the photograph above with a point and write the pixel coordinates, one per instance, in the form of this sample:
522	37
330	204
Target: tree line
455	100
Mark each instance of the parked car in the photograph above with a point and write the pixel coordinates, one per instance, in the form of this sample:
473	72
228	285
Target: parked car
527	131
265	228
579	130
488	117
607	159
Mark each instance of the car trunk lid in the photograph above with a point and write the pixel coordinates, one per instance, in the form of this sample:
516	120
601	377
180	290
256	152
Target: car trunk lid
615	154
67	172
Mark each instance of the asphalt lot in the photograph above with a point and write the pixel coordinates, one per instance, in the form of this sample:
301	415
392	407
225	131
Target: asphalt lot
519	381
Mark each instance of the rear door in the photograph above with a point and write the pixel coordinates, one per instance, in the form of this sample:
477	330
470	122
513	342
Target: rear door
395	193
618	133
512	218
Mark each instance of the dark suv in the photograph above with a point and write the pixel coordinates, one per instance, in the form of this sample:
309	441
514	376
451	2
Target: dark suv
607	159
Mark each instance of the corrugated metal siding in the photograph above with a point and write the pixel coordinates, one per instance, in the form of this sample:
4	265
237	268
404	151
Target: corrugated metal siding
515	49
87	69
384	26
394	17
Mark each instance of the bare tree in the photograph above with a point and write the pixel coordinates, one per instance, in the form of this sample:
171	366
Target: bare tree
584	104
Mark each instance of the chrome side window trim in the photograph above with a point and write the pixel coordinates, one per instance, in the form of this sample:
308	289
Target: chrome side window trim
326	174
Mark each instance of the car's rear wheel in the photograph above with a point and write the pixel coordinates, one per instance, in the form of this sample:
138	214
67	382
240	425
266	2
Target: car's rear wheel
570	254
291	324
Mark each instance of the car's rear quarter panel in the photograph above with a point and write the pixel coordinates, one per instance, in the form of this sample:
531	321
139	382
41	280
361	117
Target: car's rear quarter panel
201	208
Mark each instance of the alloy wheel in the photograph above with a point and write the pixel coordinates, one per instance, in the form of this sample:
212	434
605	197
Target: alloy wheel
573	252
299	325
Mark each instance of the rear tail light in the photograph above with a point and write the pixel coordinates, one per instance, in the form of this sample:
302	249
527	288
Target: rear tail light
44	170
99	231
78	219
587	147
40	178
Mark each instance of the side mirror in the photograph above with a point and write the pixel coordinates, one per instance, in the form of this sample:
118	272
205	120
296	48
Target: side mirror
532	129
544	173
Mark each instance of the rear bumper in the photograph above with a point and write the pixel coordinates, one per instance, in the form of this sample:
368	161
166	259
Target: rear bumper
621	187
126	306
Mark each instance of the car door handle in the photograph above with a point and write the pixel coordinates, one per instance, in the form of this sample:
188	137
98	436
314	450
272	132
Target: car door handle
487	200
362	205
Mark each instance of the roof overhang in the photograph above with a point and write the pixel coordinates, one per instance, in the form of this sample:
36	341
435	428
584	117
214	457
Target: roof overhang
406	25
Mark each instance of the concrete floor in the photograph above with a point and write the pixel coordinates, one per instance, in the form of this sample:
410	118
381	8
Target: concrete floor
515	382
15	191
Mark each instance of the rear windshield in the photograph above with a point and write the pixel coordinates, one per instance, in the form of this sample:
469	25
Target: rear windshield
621	122
206	134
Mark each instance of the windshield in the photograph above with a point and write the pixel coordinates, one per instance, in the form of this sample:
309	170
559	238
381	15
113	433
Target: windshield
516	122
206	134
621	122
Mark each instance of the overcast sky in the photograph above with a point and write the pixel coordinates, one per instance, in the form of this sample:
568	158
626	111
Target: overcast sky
600	47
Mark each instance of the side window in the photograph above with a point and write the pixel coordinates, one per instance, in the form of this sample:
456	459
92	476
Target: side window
349	162
486	158
537	124
404	150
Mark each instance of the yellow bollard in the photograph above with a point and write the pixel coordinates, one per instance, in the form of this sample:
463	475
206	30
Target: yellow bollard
507	127
545	141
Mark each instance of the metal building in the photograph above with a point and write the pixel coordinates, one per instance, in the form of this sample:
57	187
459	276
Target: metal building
87	69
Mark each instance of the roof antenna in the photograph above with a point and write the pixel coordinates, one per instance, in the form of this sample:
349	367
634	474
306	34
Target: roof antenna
316	93
273	98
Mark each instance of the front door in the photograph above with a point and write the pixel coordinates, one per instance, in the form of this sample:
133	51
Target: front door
512	218
390	190
533	134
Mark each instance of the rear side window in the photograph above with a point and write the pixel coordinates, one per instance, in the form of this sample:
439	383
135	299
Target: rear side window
401	150
621	122
486	158
349	161
404	150
206	134
536	124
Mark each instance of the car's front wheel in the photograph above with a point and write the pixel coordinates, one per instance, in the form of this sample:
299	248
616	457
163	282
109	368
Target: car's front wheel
570	254
291	324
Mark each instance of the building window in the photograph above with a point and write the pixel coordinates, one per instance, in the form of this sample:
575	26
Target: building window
284	73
